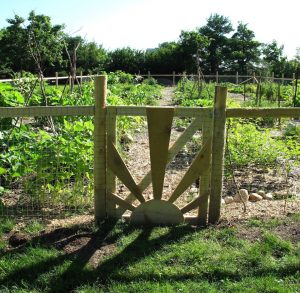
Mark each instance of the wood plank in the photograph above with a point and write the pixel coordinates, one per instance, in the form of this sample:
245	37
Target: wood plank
192	112
117	165
173	151
194	203
159	131
35	111
110	176
263	112
100	148
157	212
121	202
218	145
204	179
197	168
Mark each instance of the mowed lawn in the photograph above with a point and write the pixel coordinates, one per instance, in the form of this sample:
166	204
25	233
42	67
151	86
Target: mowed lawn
251	256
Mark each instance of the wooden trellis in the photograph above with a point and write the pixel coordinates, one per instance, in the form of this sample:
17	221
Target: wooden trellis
208	163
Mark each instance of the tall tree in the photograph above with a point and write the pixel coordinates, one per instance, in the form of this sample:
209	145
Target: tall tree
243	50
193	45
273	58
216	30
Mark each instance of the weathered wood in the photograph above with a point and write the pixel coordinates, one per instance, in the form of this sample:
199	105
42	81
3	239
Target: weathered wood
56	79
111	123
157	212
218	144
193	112
195	203
237	78
159	130
198	166
35	111
204	179
173	151
100	148
217	77
174	81
117	165
262	112
121	202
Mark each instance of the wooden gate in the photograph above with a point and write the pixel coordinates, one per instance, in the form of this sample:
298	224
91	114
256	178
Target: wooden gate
207	165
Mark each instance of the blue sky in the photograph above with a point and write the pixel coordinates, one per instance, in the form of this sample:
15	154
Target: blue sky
144	24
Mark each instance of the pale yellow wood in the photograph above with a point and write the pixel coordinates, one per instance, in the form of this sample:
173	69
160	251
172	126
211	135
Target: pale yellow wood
263	112
192	112
100	148
195	203
159	130
198	166
218	144
157	212
173	151
34	111
121	202
110	176
117	165
204	179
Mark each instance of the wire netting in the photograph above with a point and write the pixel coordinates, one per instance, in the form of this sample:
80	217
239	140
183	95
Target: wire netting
46	166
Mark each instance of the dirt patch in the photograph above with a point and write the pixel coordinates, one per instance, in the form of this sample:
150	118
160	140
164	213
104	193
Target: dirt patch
290	231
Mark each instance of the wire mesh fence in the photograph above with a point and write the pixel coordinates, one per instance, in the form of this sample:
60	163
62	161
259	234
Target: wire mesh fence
46	172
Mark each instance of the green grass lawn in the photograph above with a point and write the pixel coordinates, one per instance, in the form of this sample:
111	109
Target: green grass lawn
253	256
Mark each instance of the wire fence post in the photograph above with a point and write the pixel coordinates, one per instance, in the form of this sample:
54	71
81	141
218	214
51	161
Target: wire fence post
173	78
100	148
217	77
56	79
218	145
237	78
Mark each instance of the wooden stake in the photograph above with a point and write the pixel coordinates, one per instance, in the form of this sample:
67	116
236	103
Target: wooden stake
81	78
174	78
237	78
218	144
100	148
56	79
204	179
149	74
217	77
111	125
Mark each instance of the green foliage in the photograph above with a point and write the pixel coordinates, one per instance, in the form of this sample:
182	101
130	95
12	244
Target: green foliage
57	167
249	144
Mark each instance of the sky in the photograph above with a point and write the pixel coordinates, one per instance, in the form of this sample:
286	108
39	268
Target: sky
143	24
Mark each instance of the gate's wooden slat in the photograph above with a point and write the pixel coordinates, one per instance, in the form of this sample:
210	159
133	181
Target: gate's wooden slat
218	144
121	202
195	203
117	165
159	129
110	176
198	166
205	113
204	179
173	151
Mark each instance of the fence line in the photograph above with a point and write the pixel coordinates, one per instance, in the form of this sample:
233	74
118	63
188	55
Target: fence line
173	75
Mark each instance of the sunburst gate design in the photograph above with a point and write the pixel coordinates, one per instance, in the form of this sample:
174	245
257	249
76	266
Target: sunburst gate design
157	210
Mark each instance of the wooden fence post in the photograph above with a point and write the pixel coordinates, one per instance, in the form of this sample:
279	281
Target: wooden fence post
204	179
218	144
149	74
100	148
272	76
56	79
237	78
81	78
174	83
217	77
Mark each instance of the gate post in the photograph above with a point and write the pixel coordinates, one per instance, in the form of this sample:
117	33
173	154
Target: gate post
218	144
100	148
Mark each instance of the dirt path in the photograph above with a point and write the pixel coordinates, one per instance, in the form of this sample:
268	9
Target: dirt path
167	96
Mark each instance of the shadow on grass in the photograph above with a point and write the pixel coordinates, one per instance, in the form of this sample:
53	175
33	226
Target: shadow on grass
75	274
